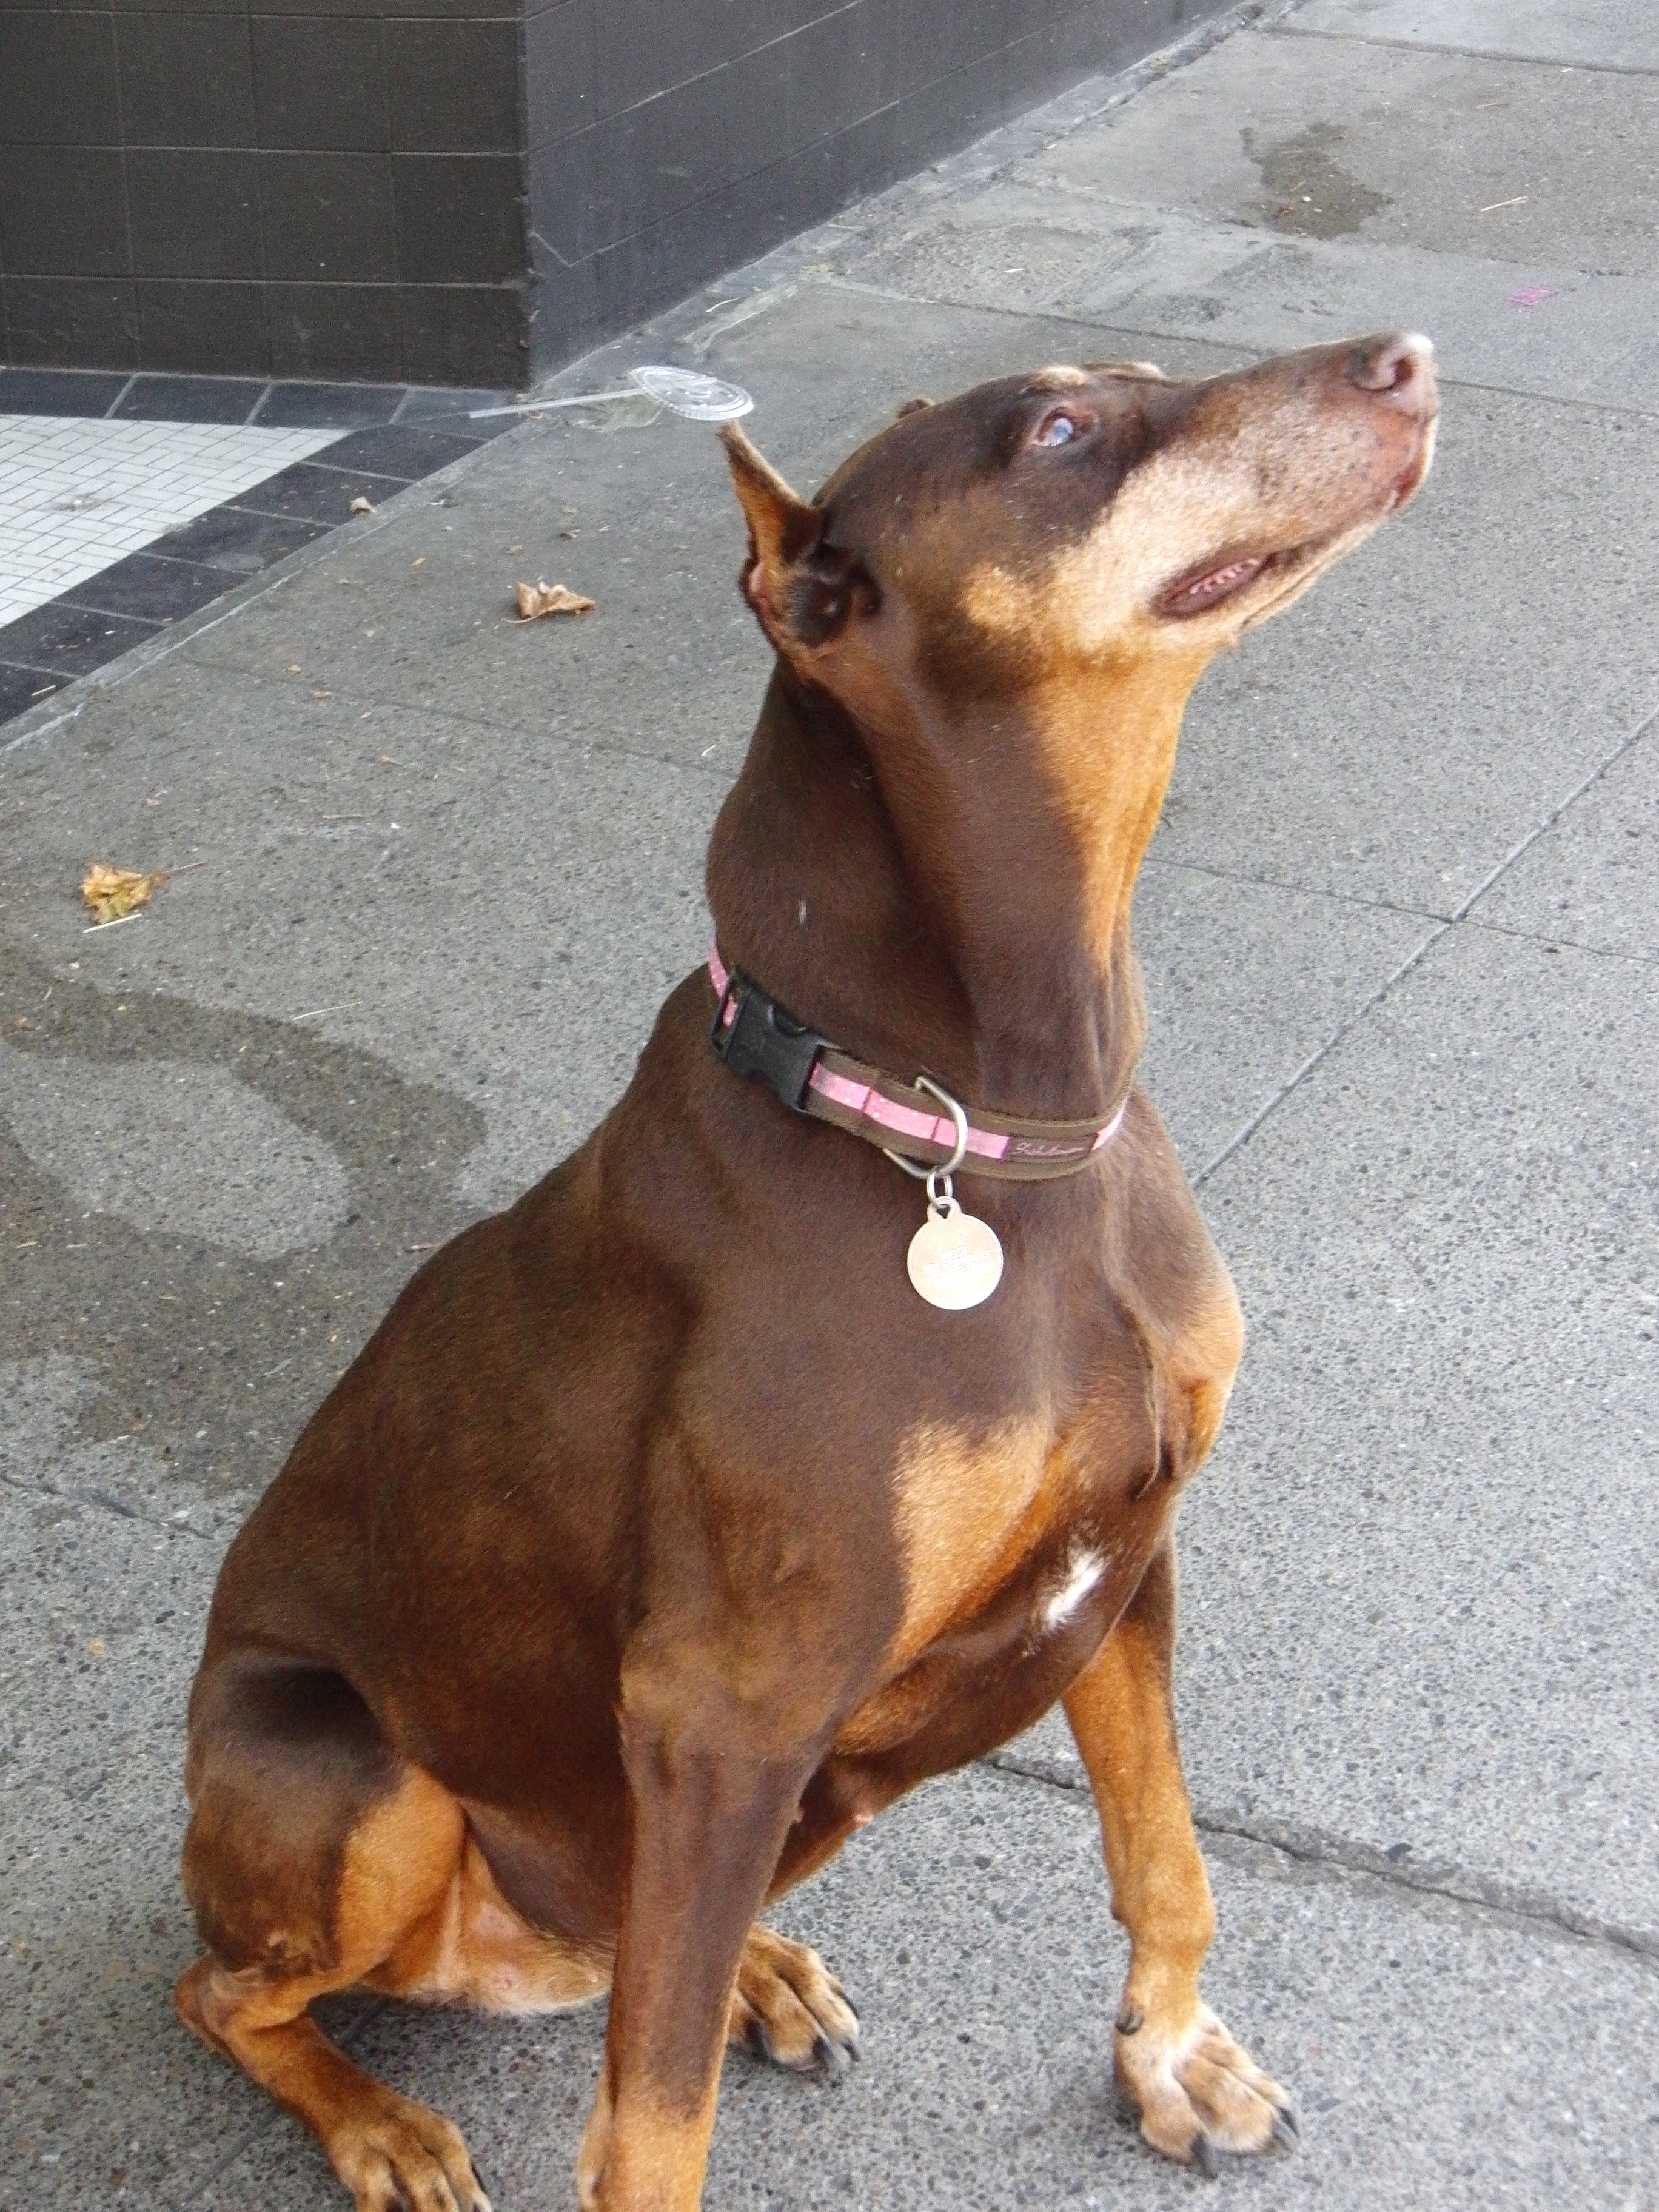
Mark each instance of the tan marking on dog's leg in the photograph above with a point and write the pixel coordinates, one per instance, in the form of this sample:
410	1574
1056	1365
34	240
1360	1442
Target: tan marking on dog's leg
789	2008
1197	2093
475	1947
400	1863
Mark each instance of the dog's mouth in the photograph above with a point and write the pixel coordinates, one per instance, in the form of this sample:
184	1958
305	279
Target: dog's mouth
1199	591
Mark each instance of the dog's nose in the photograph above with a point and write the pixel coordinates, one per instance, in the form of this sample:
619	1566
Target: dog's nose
1400	367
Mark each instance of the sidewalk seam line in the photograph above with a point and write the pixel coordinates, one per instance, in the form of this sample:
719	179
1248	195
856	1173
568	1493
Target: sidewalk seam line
1467	53
1106	318
1313	1847
99	1501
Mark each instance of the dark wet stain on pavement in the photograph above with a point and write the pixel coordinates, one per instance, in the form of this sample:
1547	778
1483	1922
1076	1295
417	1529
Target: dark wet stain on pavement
1305	189
210	1356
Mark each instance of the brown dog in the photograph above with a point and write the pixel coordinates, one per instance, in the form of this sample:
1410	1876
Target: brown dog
662	1534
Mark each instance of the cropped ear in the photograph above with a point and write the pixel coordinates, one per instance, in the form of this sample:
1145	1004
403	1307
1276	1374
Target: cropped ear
801	590
911	406
1133	372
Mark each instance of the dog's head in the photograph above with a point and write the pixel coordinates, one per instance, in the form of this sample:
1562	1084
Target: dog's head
1094	518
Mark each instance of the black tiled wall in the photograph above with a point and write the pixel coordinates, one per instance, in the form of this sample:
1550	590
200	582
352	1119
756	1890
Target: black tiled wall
465	191
290	188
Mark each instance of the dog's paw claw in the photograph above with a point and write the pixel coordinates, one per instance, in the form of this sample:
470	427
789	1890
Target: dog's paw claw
788	2009
1198	2096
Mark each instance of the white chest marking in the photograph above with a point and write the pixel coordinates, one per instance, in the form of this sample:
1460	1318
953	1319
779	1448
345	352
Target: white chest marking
1083	1570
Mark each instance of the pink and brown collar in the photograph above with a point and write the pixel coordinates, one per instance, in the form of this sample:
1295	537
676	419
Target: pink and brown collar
754	1035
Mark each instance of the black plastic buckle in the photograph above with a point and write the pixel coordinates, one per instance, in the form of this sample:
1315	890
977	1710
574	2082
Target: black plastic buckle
762	1040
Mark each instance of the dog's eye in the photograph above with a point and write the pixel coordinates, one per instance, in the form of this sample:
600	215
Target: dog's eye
1057	427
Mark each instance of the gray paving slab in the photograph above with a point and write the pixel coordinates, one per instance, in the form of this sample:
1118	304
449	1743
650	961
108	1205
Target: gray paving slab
971	1924
487	882
669	664
1603	34
1419	1594
1245	981
1435	699
98	1634
1333	137
1593	879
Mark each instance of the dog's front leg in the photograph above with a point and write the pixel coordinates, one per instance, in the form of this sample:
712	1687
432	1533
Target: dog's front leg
1197	2093
711	1792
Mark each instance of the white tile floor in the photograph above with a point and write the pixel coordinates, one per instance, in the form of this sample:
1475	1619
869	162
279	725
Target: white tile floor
75	495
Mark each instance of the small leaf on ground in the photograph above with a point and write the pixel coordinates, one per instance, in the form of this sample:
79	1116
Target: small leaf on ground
114	893
537	599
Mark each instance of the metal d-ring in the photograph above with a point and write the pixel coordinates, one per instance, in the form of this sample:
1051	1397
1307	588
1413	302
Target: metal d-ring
946	1169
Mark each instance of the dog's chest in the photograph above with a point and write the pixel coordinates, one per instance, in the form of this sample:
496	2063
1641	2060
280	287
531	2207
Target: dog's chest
1019	1545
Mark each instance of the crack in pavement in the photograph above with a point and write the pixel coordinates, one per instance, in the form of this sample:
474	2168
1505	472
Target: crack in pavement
1307	1846
100	1501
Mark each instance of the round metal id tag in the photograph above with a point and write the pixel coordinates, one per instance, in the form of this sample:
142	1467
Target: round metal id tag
955	1261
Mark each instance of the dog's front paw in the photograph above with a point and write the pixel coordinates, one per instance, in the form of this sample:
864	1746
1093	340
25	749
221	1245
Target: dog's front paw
1198	2094
789	2008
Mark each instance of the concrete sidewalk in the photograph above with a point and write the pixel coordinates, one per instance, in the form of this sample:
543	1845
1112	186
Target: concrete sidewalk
1400	926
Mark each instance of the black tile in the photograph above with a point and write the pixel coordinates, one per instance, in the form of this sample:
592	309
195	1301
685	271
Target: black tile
758	130
631	171
151	588
57	79
322	406
841	69
562	230
318	495
191	399
70	641
453	86
328	217
83	391
240	543
63	211
451	331
559	69
72	322
447	9
207	330
461	218
23	688
306	8
561	314
334	331
643	48
186	80
194	215
320	83
938	39
939	118
408	454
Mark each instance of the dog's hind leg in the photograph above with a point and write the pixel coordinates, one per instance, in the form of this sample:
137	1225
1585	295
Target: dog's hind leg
1197	2093
315	1860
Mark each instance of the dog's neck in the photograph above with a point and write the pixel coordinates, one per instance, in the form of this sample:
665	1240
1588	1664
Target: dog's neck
936	907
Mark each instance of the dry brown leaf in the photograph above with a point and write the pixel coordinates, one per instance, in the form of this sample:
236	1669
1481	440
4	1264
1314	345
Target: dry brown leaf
114	893
537	599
